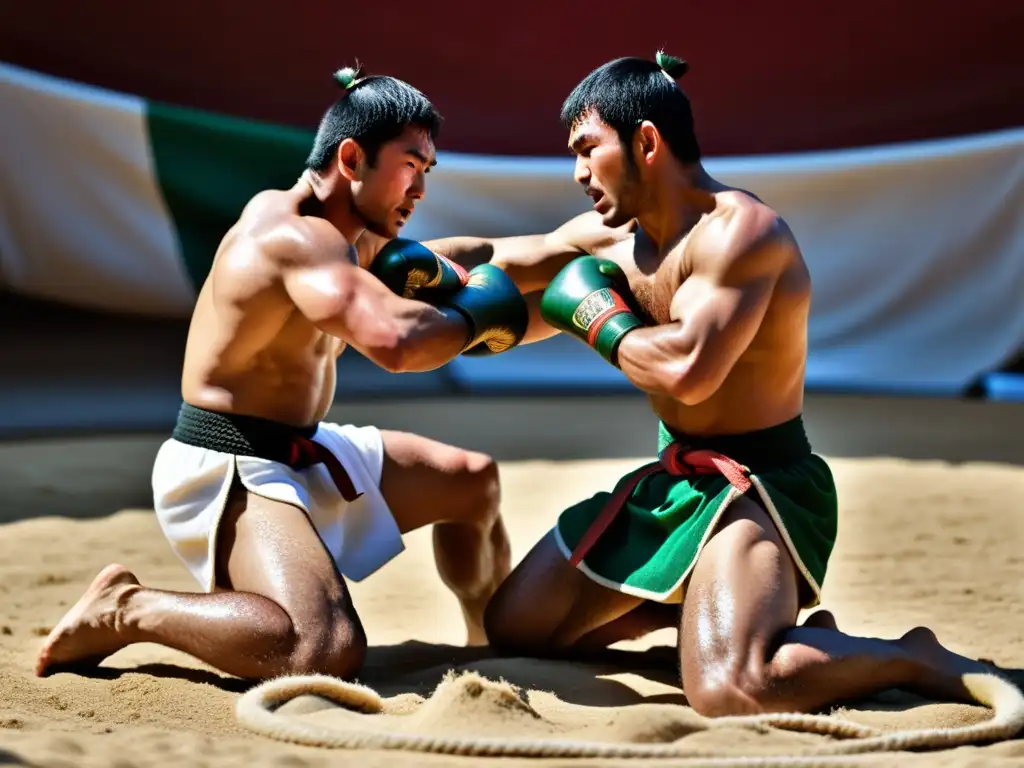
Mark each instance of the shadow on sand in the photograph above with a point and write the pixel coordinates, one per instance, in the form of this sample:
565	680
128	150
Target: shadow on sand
417	668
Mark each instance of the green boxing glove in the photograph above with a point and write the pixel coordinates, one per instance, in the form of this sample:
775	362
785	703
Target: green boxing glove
495	310
407	267
584	300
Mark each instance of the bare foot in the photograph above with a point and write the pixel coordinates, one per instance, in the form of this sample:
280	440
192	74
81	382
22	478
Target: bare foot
88	633
944	670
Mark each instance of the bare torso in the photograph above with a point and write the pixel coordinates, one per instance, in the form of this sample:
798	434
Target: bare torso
249	350
766	385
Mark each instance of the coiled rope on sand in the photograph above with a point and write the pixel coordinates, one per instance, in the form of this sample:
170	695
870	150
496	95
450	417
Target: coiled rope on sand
255	710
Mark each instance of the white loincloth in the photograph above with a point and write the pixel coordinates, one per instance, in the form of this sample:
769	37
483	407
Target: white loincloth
190	489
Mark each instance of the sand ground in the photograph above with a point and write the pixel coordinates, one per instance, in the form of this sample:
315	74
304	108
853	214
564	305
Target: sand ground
920	543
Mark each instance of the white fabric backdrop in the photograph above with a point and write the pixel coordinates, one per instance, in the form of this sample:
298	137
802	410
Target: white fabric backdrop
82	219
916	251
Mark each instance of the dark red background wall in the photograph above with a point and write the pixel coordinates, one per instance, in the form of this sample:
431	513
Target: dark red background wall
766	77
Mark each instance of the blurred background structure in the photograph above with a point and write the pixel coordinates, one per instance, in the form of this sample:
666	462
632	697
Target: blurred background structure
891	137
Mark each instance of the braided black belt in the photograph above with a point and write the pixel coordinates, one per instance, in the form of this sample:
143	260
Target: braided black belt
259	438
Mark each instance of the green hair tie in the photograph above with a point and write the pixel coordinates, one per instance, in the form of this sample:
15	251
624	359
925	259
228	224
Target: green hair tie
346	77
672	66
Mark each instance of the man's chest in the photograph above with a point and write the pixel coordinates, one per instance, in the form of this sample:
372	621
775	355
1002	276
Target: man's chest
653	280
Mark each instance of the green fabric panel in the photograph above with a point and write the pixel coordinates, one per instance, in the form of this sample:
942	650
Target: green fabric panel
658	534
657	537
208	166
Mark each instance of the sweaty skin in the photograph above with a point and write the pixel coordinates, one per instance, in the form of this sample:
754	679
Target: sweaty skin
764	385
285	295
727	298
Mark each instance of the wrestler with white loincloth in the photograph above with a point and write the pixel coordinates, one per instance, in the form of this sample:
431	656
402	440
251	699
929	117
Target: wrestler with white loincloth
269	507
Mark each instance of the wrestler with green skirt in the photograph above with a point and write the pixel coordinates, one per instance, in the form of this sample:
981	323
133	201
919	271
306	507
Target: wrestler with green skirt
698	292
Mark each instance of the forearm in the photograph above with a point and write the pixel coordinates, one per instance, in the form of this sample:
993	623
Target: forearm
467	252
400	335
658	361
537	329
428	337
476	312
531	261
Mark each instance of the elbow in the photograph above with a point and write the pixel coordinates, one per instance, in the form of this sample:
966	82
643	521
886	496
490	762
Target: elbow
403	352
393	355
692	393
388	347
690	385
388	358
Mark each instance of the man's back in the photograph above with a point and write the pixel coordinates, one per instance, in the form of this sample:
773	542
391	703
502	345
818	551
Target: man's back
249	350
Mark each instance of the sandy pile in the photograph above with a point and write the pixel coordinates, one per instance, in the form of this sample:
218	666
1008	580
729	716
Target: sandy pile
920	543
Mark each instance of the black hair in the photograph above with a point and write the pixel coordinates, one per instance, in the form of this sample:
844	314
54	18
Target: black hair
625	92
373	111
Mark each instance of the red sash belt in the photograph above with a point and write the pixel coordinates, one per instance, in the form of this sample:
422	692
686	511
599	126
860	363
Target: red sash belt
304	453
675	460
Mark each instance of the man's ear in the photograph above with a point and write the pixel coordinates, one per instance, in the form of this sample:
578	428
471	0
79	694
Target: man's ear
646	142
350	160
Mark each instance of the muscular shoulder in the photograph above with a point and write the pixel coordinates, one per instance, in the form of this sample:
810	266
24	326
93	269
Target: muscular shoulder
271	230
741	236
587	233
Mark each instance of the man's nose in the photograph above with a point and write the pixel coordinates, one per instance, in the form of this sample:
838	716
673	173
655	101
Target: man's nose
581	172
418	188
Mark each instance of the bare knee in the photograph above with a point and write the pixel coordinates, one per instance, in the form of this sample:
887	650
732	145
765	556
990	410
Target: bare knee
743	593
763	685
721	691
336	647
511	633
499	622
533	612
479	486
750	681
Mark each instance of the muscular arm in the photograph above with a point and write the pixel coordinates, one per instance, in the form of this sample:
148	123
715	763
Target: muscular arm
344	301
715	313
532	261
